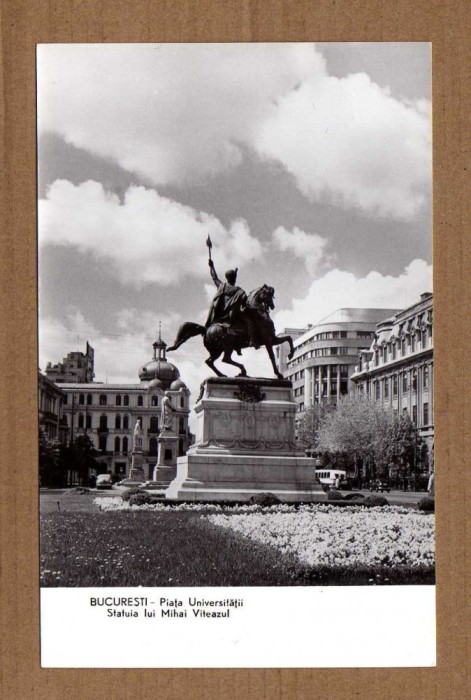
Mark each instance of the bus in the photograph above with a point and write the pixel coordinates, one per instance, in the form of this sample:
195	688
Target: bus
328	477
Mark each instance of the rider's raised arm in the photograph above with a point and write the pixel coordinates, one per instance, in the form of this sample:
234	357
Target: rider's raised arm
212	269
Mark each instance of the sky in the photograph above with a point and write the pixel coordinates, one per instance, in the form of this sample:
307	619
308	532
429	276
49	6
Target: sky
308	164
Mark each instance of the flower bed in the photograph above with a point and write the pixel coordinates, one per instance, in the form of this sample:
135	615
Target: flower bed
323	535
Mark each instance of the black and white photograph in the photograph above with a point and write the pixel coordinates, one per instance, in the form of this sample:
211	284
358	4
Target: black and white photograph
236	386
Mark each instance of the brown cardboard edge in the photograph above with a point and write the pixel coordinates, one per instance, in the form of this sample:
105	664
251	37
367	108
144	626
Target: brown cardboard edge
23	24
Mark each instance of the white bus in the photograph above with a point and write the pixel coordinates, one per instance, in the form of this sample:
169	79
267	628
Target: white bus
328	477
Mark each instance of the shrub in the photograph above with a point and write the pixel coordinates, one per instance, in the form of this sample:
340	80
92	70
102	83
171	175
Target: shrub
334	496
426	503
81	490
264	499
142	498
354	497
376	500
126	495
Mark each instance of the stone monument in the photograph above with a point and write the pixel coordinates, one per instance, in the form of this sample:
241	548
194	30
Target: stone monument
245	438
165	469
136	473
245	445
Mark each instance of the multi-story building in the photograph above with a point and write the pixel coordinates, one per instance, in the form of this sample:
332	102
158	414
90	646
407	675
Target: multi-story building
108	413
397	370
326	354
77	367
50	405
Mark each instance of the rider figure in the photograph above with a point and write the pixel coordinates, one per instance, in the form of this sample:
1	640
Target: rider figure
228	298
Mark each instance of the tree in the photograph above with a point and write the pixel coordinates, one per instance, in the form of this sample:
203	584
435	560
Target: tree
51	470
308	429
82	458
357	427
404	447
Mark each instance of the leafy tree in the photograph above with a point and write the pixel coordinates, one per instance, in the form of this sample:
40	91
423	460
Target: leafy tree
51	471
308	429
358	427
82	458
404	447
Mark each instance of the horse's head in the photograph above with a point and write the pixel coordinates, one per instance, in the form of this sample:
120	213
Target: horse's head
262	297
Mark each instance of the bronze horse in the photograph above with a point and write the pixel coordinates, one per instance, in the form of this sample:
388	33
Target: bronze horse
229	337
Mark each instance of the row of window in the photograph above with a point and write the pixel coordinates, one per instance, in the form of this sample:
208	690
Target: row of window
382	386
323	371
325	352
85	421
119	400
403	346
121	446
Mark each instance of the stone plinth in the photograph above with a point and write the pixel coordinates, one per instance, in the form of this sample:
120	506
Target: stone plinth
166	468
245	445
136	475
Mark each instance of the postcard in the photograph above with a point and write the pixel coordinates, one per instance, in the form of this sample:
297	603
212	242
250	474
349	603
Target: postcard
236	392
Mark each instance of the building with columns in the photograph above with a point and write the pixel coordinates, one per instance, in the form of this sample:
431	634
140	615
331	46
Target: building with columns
397	369
108	413
327	352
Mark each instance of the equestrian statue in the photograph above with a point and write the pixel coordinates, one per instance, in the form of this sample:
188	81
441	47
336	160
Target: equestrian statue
236	320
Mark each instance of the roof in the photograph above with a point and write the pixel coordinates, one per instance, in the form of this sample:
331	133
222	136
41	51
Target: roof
356	315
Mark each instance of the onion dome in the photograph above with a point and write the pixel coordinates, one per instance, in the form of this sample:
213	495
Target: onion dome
177	385
159	372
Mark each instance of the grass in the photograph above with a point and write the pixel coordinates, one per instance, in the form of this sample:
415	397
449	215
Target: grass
81	546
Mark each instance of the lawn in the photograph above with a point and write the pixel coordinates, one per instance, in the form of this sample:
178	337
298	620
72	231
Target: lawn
84	546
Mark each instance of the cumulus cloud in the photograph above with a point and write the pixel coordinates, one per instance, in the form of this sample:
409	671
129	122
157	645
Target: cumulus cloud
145	238
309	247
179	113
173	112
350	142
340	289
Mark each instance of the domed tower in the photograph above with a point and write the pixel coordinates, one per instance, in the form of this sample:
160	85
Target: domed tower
159	372
168	401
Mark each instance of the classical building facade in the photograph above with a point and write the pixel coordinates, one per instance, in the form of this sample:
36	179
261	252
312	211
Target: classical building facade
326	354
397	369
108	413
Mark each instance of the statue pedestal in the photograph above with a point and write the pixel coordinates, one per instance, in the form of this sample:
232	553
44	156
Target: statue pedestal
136	475
166	468
245	445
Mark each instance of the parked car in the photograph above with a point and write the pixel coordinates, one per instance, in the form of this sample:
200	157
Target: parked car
380	485
104	481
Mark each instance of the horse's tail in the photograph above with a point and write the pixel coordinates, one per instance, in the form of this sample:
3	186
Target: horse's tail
185	332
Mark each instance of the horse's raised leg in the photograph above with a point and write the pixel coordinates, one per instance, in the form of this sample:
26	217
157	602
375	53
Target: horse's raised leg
279	339
227	358
210	363
271	355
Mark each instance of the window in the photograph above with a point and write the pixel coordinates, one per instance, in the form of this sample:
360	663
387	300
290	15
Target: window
404	382
154	425
117	423
377	391
414	414
103	400
88	421
153	447
385	353
117	444
425	414
393	347
394	385
65	399
425	378
126	423
80	420
103	423
118	399
125	400
182	402
181	451
81	399
155	401
125	445
181	424
376	358
102	443
140	400
89	399
386	388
